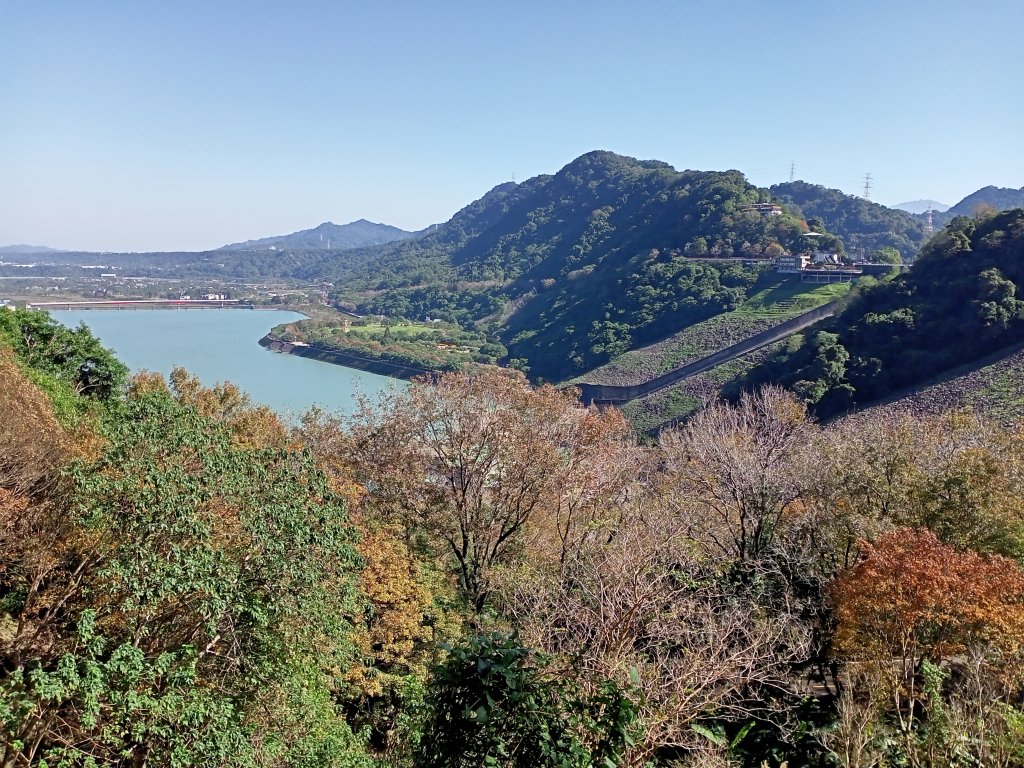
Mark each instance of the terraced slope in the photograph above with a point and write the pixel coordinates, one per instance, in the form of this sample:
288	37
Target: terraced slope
649	414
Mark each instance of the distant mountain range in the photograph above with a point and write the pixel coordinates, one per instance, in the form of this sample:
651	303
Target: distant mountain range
26	249
862	225
921	206
327	237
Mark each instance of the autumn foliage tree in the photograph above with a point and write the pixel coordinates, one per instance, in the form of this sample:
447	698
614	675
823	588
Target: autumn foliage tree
484	463
914	598
914	605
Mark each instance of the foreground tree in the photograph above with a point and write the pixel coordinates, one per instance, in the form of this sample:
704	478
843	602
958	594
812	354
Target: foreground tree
182	604
486	463
645	608
75	357
938	634
493	704
741	466
957	474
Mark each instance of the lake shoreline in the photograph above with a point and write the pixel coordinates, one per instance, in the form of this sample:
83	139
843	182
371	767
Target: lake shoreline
218	346
344	359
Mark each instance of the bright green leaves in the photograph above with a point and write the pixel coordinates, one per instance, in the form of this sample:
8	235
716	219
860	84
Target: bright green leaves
201	590
74	357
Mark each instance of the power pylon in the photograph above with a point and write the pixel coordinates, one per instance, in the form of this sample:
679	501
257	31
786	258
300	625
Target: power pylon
867	186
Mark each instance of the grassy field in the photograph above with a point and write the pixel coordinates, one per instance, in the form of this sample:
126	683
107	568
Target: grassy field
786	295
376	330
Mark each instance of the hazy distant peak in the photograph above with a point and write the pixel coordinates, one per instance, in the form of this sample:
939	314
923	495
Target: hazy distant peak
327	236
27	249
922	206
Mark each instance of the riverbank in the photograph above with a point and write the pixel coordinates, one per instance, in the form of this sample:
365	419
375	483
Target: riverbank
346	359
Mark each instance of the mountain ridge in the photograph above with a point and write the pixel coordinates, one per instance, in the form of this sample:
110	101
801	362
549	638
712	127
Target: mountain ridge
326	236
28	249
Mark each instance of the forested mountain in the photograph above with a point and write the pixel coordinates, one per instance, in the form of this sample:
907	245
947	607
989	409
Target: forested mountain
988	198
999	198
574	268
326	237
865	227
959	302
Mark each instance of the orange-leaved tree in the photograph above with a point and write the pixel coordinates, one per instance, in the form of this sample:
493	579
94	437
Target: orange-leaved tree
912	610
914	598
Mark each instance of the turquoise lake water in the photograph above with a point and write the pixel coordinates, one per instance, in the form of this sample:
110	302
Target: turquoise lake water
221	345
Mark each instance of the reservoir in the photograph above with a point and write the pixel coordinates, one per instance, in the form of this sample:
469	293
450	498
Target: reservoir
220	345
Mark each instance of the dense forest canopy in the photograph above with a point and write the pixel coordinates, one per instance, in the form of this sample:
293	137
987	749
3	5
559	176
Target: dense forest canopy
958	302
865	227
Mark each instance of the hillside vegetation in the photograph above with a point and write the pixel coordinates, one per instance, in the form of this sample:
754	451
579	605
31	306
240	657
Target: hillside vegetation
475	572
774	299
958	303
865	227
988	198
568	271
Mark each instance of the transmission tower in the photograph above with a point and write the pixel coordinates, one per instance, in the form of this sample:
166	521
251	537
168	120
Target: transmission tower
867	186
792	171
929	225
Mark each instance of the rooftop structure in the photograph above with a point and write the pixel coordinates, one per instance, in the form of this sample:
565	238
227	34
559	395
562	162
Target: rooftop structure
765	209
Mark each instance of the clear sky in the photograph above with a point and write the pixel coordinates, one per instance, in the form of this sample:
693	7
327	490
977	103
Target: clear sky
149	125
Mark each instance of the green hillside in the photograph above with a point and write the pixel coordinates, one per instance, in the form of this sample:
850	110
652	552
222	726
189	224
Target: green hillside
864	227
990	198
958	303
571	270
774	299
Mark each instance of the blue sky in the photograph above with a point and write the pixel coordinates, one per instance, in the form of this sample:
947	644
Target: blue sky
186	125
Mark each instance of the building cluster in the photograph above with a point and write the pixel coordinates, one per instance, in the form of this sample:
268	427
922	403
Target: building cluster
765	209
824	267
